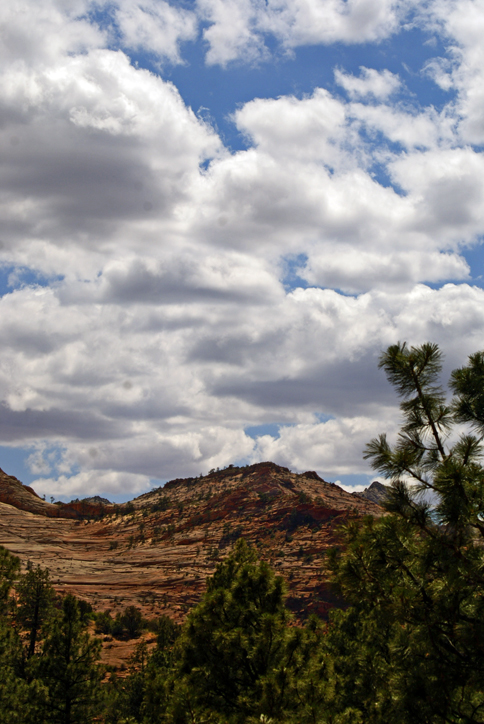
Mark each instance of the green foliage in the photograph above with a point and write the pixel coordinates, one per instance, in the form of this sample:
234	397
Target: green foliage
20	700
9	569
303	497
166	631
236	652
132	622
468	385
68	668
103	623
144	694
59	682
237	658
410	649
132	696
296	519
35	599
126	625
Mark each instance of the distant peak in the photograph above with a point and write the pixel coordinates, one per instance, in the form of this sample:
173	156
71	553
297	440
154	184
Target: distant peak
376	492
312	474
96	500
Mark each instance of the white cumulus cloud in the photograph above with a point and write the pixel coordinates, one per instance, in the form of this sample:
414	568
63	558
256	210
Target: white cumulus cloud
177	295
373	83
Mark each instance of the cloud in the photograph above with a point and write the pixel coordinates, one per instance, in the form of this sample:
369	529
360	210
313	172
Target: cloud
120	394
463	25
238	29
90	483
104	154
156	27
277	126
339	266
446	186
38	33
412	130
232	33
180	279
167	327
373	83
321	446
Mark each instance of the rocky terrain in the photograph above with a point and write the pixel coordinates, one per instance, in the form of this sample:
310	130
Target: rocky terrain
156	551
376	492
21	496
13	492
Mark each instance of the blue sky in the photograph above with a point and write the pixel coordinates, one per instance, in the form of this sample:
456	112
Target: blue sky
214	217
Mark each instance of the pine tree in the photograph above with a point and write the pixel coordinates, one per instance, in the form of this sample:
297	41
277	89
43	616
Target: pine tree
19	700
9	569
411	647
236	655
35	598
69	668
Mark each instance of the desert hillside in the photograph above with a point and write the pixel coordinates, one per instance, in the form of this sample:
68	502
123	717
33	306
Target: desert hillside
156	551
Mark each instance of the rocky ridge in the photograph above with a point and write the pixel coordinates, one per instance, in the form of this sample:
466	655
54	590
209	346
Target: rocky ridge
376	492
157	551
23	497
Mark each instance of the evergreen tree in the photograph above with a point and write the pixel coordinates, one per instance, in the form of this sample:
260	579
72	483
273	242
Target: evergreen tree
156	679
9	569
35	597
411	647
131	622
235	639
69	667
237	655
19	701
129	698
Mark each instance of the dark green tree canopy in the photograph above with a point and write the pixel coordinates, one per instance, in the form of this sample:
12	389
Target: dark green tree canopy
35	599
237	636
68	667
9	570
415	578
467	383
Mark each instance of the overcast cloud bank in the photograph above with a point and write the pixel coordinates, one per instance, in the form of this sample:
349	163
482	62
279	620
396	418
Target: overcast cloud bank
167	295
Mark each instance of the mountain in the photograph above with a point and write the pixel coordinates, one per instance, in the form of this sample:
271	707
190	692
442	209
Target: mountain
93	500
157	550
376	492
13	492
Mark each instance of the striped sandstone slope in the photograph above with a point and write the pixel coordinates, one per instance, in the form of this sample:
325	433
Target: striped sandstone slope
157	551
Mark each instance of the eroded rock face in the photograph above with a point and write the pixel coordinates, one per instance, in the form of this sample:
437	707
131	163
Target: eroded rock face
21	496
376	492
13	492
157	551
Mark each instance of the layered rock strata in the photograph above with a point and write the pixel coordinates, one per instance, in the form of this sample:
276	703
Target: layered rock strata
157	551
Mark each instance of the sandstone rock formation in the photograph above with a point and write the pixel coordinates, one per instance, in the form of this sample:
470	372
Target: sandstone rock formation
157	551
21	496
13	492
376	492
